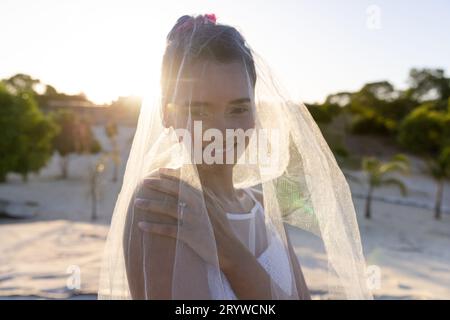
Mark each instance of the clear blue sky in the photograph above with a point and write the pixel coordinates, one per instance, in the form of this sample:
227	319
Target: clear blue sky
112	48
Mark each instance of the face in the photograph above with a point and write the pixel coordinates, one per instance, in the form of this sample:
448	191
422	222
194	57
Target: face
218	96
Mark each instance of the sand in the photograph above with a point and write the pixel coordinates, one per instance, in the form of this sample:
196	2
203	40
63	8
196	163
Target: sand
40	257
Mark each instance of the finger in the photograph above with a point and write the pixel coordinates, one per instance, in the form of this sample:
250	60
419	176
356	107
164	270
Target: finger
169	173
165	230
166	186
156	206
174	175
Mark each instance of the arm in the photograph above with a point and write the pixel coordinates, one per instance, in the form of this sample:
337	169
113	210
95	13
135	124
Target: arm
248	270
151	278
249	280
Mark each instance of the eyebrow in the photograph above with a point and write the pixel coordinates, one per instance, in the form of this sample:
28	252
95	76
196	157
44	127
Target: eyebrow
206	104
238	101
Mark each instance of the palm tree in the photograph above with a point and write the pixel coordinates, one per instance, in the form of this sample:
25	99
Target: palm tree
112	131
95	172
378	175
439	169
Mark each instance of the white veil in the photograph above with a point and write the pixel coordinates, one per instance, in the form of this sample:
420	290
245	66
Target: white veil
294	173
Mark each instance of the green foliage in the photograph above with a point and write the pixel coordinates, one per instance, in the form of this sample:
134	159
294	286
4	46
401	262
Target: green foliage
27	137
25	133
428	84
21	83
75	134
340	151
319	113
377	109
425	131
369	122
444	162
439	168
379	174
324	113
111	129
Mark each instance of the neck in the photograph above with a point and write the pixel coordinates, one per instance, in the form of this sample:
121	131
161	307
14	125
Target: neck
218	179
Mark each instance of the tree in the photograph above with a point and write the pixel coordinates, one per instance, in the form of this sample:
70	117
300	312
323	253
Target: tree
112	131
426	132
332	107
75	136
323	113
94	184
428	84
9	136
21	82
371	108
26	134
440	170
379	174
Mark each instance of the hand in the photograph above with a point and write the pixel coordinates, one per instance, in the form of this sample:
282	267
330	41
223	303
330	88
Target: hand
189	207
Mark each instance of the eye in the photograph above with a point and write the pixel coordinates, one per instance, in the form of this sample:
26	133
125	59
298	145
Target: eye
239	109
198	112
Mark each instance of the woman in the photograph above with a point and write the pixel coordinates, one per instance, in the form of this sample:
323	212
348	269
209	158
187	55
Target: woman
215	170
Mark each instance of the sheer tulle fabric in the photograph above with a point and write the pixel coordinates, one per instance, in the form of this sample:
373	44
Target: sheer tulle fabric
301	185
270	253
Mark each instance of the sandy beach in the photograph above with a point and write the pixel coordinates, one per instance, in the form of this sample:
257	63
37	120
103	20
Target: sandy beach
41	254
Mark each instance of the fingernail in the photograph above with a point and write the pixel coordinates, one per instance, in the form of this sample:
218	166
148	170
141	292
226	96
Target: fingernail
149	181
139	203
144	226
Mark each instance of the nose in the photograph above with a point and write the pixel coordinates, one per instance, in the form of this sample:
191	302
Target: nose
218	122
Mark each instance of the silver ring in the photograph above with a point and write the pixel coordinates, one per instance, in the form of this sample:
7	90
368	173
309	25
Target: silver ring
182	205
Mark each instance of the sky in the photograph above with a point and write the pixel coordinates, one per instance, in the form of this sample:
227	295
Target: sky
113	48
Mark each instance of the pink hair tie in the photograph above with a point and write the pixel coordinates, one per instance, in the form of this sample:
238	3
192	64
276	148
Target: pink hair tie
211	17
204	19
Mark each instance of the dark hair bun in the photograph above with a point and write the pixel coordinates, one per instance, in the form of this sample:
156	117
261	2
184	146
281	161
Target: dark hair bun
194	38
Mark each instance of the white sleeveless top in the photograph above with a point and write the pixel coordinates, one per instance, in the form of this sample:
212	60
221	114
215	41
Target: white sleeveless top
274	258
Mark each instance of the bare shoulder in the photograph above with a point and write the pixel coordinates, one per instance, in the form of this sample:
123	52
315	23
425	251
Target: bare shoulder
157	284
157	264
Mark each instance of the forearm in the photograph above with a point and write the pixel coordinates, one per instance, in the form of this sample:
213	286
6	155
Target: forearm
249	280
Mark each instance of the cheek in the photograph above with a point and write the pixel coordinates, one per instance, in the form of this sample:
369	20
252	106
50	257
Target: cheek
181	121
243	123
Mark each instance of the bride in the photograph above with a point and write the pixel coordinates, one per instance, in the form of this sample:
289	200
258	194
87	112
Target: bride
220	163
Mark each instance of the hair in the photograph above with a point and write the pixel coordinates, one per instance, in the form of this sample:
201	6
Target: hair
200	38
